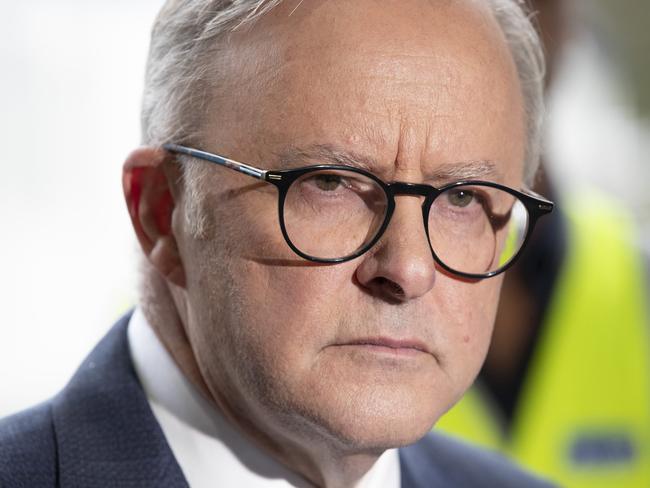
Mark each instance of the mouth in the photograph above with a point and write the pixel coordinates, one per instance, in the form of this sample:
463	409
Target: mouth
387	346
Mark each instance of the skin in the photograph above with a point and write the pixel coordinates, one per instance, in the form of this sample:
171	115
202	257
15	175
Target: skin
270	338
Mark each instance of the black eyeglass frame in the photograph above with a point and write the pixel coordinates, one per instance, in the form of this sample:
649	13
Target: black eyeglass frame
535	204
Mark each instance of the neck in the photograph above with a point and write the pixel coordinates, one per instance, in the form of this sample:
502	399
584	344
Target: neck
319	459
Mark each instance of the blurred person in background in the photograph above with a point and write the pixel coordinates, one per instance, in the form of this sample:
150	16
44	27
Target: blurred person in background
565	389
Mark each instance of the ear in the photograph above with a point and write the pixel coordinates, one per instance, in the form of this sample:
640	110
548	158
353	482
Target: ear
150	202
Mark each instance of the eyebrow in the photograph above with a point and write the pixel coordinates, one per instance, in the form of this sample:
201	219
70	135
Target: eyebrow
325	154
329	154
466	170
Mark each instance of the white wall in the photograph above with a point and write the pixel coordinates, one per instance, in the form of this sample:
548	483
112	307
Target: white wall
70	81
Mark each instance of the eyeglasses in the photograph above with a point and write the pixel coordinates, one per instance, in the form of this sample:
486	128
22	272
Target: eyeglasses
335	213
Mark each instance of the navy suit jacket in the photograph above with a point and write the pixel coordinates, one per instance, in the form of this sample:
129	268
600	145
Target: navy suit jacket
100	432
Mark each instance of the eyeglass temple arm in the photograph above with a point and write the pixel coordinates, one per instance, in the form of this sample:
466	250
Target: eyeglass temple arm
216	159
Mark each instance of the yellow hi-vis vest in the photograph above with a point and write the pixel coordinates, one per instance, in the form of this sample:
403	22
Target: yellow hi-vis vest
583	418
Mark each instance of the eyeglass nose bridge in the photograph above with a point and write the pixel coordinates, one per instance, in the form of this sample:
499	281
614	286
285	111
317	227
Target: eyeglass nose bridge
404	188
413	189
430	193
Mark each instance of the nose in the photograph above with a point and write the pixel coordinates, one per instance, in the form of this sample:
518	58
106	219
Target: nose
400	267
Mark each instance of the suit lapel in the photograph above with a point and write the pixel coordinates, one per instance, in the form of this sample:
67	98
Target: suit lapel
105	430
418	469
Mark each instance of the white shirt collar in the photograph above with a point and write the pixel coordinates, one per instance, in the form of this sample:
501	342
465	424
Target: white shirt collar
208	449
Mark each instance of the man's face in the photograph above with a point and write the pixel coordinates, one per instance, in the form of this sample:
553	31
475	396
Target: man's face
290	348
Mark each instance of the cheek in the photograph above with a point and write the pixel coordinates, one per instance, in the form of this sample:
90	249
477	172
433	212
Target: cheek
252	290
295	310
471	307
284	317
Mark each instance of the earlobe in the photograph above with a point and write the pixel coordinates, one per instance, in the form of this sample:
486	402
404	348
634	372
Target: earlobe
151	205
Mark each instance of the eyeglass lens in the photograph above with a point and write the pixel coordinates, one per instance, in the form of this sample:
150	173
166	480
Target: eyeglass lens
477	229
474	229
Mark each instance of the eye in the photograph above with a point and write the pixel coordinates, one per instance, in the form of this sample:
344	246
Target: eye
327	181
460	198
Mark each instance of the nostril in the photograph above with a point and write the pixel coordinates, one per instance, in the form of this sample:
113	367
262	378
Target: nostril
388	288
395	288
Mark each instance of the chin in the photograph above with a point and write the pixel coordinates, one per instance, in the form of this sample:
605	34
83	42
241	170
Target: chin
372	418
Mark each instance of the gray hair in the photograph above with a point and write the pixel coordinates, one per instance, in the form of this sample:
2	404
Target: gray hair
183	43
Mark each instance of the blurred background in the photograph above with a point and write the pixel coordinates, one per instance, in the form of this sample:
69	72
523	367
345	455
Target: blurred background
70	89
70	92
599	103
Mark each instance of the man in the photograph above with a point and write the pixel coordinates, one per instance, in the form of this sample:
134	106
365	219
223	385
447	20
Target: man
301	318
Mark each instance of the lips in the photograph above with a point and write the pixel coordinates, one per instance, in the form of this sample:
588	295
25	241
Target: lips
398	345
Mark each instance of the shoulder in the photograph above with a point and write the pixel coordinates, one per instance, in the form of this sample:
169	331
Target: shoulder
28	448
439	460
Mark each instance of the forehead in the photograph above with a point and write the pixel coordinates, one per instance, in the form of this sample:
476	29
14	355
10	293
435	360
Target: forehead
407	80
